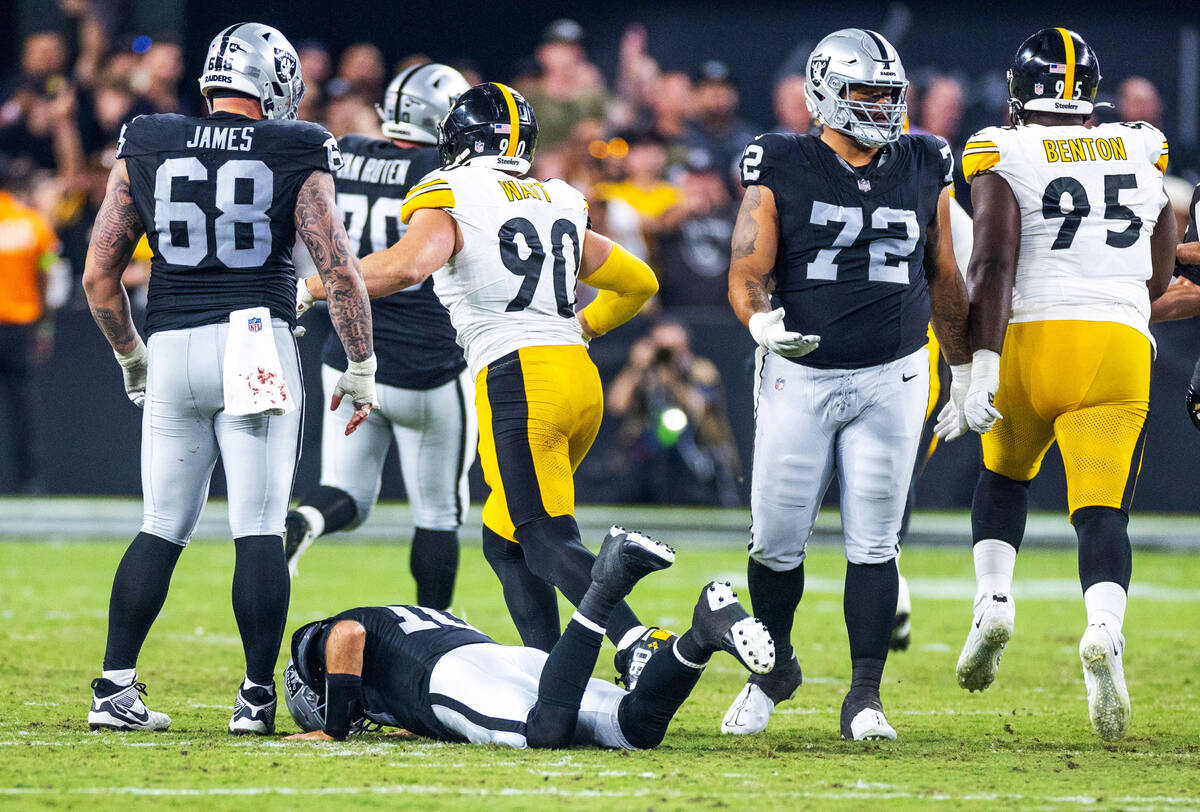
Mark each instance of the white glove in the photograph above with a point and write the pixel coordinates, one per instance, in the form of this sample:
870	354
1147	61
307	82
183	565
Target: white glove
771	335
951	423
304	299
133	369
978	410
358	384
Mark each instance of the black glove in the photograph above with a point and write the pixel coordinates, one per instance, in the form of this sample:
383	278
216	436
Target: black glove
1193	397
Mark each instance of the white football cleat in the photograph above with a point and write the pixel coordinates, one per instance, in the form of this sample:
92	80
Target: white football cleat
868	723
121	708
1100	652
749	713
995	617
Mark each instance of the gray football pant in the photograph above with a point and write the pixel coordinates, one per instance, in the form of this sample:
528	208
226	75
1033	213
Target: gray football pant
436	436
185	428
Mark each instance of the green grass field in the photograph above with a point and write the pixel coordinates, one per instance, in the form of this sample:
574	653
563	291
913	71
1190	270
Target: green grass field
1025	743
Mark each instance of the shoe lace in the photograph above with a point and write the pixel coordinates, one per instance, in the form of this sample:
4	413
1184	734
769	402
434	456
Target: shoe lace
141	688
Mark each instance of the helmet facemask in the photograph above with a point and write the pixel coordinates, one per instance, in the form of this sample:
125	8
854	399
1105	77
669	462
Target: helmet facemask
873	123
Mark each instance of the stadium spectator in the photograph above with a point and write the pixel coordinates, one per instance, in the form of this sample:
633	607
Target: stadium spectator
694	240
791	108
941	108
158	76
671	108
316	66
1138	100
361	71
567	88
28	251
676	445
643	192
717	127
637	77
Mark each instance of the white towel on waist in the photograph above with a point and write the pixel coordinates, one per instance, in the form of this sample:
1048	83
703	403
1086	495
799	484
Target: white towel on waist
253	377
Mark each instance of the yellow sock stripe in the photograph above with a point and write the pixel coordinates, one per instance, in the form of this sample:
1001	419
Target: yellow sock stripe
1069	80
513	122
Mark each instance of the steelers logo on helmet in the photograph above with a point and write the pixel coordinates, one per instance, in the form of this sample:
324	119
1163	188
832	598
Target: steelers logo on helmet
1054	71
844	64
490	125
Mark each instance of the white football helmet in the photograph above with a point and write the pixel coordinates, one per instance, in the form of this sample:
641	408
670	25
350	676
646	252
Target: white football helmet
857	57
257	60
417	99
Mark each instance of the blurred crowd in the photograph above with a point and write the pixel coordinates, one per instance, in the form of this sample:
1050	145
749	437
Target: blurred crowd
655	150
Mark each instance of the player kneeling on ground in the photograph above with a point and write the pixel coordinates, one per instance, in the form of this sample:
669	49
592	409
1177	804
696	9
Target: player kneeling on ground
436	676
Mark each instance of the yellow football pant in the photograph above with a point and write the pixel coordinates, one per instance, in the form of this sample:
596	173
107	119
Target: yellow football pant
539	410
1084	384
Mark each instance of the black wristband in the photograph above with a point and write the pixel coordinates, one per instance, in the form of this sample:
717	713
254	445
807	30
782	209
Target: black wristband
343	703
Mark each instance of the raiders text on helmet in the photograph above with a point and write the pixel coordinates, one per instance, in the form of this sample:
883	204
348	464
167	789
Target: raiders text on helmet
1054	71
490	125
257	60
856	57
417	99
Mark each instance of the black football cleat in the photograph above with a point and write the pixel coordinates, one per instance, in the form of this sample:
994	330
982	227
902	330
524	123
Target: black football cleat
627	556
297	537
720	623
253	712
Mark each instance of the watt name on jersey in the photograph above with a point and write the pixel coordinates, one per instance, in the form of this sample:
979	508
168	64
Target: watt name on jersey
414	339
513	283
1089	198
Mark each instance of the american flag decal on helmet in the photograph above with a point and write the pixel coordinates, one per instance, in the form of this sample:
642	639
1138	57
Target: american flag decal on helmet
503	129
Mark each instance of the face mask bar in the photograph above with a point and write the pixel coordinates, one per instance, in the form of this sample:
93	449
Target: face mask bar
875	123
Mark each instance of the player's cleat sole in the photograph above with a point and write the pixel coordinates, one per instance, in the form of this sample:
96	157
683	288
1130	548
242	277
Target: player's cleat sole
719	621
902	625
627	556
1104	675
635	650
121	708
991	629
297	537
253	712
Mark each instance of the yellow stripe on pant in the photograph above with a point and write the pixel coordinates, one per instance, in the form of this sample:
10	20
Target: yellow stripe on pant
1084	384
539	410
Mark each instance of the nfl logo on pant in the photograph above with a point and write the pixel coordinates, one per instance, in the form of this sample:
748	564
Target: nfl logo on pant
255	324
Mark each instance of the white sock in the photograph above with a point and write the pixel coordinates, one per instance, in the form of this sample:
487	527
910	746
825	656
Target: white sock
994	563
315	520
120	676
247	684
1105	603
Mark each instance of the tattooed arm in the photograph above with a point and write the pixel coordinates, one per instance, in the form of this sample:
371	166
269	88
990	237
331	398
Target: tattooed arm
320	226
947	290
114	236
755	241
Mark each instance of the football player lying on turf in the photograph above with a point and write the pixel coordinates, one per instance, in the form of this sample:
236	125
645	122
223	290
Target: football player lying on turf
434	675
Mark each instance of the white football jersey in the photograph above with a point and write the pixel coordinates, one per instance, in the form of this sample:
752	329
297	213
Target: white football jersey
1089	199
512	284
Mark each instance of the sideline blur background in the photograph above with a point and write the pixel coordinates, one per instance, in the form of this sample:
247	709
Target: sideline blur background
644	108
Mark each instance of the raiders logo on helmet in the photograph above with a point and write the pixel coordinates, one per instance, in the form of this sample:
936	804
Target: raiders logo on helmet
285	65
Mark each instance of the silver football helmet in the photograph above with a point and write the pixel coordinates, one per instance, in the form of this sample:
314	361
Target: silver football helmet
257	60
857	57
417	99
306	705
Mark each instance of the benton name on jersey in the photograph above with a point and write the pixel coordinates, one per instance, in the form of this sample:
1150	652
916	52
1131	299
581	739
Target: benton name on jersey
512	284
217	198
414	339
850	263
1089	199
403	644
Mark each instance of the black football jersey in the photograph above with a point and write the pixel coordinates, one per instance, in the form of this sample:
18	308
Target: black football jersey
1191	272
403	644
217	197
850	263
414	340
